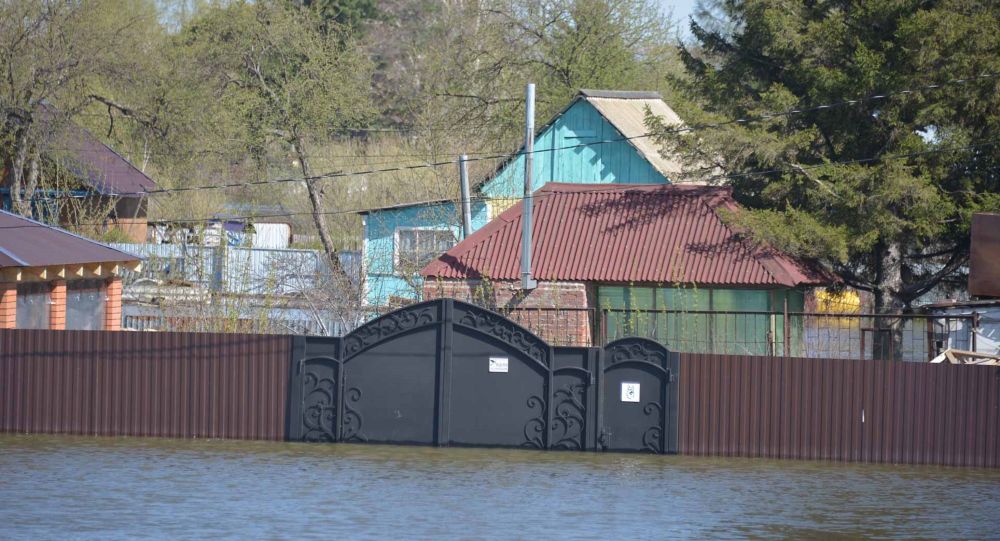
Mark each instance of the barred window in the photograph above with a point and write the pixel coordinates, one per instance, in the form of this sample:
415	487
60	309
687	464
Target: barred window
418	247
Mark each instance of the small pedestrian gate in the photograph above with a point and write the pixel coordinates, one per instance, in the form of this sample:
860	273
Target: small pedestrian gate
445	372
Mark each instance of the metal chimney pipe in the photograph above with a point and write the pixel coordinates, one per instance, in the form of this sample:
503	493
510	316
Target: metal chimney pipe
527	282
463	173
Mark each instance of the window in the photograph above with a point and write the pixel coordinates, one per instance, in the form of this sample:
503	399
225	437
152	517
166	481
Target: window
85	301
33	306
418	247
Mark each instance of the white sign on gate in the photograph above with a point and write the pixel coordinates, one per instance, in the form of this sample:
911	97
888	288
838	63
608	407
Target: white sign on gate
498	364
630	391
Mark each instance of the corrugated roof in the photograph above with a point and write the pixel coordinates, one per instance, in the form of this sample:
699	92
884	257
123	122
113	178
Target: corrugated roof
620	233
27	243
628	116
97	164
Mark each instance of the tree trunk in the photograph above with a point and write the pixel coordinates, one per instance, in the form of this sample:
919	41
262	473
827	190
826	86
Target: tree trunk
17	192
316	197
888	329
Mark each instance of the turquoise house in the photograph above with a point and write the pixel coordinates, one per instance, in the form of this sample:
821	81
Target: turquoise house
598	138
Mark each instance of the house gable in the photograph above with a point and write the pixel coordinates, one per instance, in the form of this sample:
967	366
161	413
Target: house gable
557	157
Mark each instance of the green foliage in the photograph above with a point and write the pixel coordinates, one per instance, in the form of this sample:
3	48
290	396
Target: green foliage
889	224
477	58
348	13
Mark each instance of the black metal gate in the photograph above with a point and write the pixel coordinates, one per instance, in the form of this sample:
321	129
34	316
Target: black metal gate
639	397
445	372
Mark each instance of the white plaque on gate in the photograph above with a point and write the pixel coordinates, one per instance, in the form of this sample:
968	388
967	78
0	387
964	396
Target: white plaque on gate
498	364
630	391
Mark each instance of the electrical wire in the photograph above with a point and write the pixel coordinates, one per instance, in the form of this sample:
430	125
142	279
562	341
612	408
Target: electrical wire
539	195
678	130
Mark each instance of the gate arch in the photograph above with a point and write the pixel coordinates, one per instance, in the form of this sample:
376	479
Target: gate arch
639	409
499	381
440	372
445	372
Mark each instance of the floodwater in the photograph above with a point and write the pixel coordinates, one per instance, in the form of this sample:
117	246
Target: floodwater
56	487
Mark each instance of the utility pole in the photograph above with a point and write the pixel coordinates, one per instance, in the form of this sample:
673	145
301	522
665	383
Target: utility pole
463	173
527	282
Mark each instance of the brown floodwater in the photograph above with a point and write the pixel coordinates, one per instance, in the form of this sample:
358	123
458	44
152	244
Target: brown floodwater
58	487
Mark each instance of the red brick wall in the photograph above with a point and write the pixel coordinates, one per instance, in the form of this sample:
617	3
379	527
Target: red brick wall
113	308
8	305
535	309
57	310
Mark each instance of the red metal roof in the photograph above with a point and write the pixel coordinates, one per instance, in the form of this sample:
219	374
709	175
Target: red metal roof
27	243
625	233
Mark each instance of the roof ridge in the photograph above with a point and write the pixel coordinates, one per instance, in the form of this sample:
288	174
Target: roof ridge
611	188
620	94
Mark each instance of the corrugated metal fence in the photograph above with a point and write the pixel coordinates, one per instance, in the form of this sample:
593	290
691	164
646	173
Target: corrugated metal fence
185	385
836	409
202	385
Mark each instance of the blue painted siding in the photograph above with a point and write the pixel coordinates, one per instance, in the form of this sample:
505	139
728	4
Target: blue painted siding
381	279
607	163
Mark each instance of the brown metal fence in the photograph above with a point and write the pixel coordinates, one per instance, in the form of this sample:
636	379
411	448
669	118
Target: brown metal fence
200	385
185	385
835	409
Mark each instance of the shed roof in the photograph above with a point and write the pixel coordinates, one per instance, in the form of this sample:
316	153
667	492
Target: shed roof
628	116
97	164
27	243
619	233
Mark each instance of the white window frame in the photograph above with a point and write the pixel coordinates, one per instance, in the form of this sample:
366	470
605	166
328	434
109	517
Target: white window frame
396	245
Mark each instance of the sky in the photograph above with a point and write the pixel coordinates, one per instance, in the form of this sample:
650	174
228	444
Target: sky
682	9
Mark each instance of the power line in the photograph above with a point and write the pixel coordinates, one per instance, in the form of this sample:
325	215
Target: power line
678	130
797	168
271	215
681	129
91	150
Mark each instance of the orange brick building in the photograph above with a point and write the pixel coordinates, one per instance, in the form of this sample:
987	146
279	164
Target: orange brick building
53	279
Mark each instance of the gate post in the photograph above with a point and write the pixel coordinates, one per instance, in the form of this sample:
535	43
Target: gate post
601	440
293	408
443	406
671	425
549	396
593	391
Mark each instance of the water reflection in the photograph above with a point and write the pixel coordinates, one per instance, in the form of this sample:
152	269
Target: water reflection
101	488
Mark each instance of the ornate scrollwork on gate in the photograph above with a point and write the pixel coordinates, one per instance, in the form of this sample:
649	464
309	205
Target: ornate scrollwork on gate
389	325
505	330
651	437
319	407
635	350
352	417
534	429
569	420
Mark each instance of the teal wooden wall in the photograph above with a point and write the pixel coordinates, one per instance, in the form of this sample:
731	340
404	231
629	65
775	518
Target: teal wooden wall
617	162
607	163
381	279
